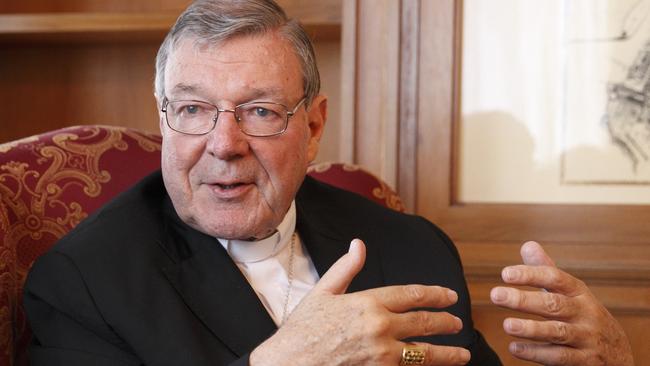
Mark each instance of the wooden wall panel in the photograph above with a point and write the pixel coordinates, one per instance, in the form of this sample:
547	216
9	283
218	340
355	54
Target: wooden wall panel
302	9
92	62
313	12
373	118
408	101
69	6
435	106
636	326
44	88
349	66
608	246
328	55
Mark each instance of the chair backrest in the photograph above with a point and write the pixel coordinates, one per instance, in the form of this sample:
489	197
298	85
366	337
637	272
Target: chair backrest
50	182
358	180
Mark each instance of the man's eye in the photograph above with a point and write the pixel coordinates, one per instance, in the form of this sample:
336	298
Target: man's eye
261	112
191	109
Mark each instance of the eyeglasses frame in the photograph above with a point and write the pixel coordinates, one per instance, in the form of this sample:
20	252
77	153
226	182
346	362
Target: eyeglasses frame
290	113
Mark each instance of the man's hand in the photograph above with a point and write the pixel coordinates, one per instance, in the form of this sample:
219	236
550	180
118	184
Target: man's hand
330	327
577	329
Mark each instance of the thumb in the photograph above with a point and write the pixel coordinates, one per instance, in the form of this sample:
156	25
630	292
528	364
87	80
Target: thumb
534	255
337	279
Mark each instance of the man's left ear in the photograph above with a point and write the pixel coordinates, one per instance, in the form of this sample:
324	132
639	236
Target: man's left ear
161	117
317	114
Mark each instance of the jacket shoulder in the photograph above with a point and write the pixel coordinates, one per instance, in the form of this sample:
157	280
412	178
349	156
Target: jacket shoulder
134	215
341	211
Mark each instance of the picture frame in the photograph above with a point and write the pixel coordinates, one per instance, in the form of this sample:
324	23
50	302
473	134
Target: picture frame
555	102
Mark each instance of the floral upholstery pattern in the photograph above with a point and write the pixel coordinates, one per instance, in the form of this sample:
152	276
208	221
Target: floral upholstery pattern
48	184
355	179
51	182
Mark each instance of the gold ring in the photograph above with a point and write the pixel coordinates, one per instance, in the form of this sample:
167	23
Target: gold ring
412	355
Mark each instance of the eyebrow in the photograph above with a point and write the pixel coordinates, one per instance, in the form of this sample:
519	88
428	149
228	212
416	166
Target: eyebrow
251	93
186	88
257	93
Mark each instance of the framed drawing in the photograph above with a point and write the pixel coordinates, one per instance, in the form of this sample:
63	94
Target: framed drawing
555	102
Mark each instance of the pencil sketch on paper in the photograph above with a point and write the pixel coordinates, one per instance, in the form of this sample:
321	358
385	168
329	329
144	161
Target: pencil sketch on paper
628	110
607	93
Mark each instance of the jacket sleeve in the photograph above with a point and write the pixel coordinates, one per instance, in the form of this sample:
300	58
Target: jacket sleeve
482	353
68	328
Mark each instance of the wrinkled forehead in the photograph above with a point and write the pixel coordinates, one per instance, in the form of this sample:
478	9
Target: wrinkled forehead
265	61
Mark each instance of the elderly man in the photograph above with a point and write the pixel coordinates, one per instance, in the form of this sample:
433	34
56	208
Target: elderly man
232	256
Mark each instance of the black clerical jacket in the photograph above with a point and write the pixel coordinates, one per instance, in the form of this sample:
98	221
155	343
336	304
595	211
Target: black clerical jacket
134	285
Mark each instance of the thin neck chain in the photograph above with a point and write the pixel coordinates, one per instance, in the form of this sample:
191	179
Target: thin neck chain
290	280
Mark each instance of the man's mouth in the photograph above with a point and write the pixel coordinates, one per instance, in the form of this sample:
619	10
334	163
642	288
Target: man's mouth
225	188
229	186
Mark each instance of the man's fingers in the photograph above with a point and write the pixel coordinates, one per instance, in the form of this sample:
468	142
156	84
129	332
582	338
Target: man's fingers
548	331
398	299
534	255
547	354
424	323
546	277
546	304
438	355
337	279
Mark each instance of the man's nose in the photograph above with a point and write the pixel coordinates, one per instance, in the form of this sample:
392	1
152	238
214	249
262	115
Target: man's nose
226	141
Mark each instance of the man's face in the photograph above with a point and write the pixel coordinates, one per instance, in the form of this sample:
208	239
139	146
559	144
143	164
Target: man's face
225	183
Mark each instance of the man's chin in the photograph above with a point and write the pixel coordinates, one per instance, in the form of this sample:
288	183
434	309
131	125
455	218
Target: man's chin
241	221
233	230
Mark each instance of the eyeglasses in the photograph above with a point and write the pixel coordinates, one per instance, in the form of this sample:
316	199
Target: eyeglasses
260	119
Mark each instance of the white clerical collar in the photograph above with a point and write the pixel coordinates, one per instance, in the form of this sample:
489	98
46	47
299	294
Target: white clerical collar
242	251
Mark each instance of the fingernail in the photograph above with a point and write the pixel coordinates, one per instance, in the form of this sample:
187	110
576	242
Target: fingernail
499	295
353	244
452	295
459	323
516	348
465	355
510	274
514	325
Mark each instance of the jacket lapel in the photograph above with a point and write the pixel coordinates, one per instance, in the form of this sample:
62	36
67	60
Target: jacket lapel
327	238
214	289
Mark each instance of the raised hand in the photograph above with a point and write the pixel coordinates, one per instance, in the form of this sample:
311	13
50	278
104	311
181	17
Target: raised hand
577	329
330	327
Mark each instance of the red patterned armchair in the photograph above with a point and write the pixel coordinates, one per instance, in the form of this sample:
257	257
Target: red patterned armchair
50	182
358	180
